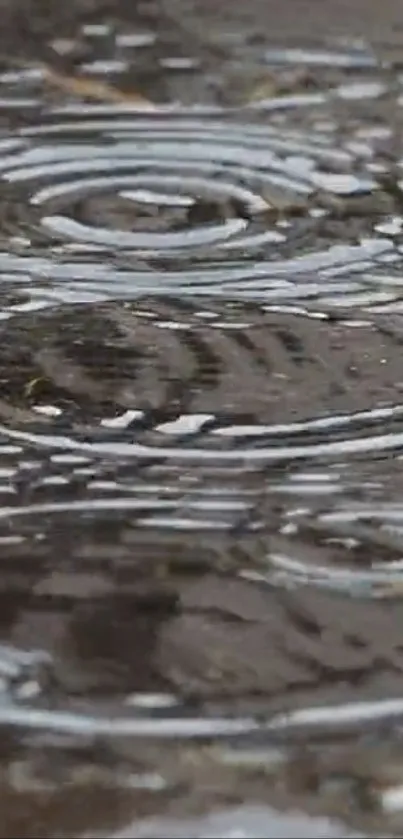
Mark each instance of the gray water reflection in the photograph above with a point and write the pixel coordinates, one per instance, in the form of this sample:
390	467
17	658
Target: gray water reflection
251	823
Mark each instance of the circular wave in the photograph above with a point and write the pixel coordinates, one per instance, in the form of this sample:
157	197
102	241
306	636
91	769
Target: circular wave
117	204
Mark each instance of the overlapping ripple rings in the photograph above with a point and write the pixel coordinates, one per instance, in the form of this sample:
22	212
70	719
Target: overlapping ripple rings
166	380
201	426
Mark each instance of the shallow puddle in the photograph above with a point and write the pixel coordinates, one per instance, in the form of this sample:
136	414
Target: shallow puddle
201	433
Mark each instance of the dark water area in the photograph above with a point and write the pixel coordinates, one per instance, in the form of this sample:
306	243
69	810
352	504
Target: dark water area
201	419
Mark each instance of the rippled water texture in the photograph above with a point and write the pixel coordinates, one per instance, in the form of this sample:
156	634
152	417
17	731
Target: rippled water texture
201	439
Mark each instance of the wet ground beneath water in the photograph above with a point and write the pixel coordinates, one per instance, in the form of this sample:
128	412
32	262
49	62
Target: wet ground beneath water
201	418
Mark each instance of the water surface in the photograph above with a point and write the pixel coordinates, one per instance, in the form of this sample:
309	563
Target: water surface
201	435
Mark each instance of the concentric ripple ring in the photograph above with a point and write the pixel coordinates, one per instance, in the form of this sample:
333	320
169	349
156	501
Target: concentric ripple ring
191	206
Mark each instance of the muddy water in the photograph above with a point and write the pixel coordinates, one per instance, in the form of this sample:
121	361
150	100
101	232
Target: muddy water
201	434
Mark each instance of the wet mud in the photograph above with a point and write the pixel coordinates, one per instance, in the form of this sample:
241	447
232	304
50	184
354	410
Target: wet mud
201	422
